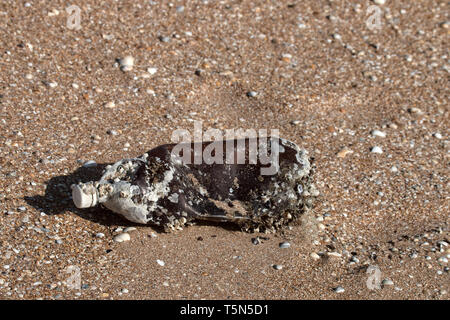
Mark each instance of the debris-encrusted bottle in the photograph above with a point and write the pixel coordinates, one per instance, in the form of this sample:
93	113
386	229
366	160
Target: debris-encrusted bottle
260	184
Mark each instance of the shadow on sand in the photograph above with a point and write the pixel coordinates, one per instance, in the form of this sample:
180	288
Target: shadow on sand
58	198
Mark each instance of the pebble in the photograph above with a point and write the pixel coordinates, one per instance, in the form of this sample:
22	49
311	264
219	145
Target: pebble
387	282
415	110
160	262
339	289
124	290
394	169
122	237
284	245
376	149
380	2
100	235
277	266
344	152
180	9
152	71
126	63
437	135
129	229
335	254
22	208
256	241
336	36
164	39
252	94
110	105
90	164
443	260
378	133
315	256
112	132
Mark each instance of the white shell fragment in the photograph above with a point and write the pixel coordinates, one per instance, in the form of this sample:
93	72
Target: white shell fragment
376	149
126	63
122	237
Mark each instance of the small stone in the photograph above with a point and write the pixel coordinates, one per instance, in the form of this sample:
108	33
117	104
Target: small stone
164	39
443	260
415	110
22	208
394	169
335	254
160	262
110	105
378	133
180	9
29	76
256	241
129	229
252	94
284	245
336	36
124	290
52	84
339	289
380	2
122	237
75	86
445	24
152	71
126	63
90	164
277	266
437	135
387	282
376	149
112	132
315	256
344	152
100	235
393	125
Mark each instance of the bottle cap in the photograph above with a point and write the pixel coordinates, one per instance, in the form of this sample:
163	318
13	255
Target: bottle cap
84	195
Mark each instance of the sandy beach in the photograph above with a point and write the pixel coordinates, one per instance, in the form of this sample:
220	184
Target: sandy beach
363	86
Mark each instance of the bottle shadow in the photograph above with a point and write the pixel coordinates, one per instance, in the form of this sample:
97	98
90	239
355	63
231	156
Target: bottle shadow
58	198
